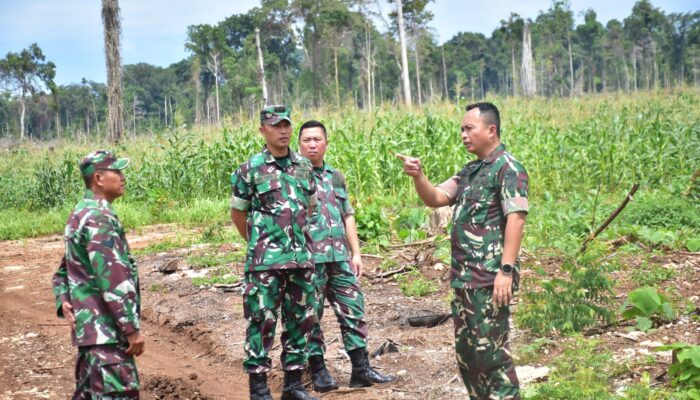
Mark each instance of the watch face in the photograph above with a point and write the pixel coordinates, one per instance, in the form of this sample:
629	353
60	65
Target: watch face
507	268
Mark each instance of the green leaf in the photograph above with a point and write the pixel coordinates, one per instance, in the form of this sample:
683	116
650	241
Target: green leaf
645	299
692	354
693	244
668	311
643	323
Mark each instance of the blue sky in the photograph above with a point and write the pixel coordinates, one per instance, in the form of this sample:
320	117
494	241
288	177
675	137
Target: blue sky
154	31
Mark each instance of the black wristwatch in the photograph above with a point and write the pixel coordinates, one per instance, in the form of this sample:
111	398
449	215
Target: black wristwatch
507	269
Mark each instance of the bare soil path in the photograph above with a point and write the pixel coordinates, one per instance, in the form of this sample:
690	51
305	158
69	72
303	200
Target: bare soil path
195	334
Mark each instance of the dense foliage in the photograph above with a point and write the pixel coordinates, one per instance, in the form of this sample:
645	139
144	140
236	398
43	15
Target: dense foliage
337	53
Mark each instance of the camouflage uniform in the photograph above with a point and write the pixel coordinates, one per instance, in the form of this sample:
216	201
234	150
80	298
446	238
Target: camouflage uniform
483	193
335	278
99	278
277	194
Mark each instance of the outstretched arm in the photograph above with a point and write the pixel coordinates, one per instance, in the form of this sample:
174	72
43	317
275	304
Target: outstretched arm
428	193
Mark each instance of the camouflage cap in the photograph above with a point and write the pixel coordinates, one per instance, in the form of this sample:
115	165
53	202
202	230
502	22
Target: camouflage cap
272	115
101	159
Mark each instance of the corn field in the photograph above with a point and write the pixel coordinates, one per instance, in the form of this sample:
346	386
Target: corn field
574	150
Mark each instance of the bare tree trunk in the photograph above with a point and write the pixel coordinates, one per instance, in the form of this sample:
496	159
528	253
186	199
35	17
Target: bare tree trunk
418	87
444	72
528	66
261	66
634	65
368	56
656	65
214	67
404	58
112	33
571	64
198	91
512	61
627	72
337	83
22	112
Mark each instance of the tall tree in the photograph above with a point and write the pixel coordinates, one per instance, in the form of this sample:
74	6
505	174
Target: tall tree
111	22
23	73
589	35
404	58
528	65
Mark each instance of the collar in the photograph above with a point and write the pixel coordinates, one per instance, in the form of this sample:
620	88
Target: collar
90	195
497	152
293	156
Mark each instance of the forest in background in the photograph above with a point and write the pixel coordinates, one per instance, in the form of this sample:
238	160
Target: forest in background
343	53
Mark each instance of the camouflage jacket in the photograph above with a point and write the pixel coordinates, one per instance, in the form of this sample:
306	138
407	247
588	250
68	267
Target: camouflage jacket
277	194
483	193
327	226
98	276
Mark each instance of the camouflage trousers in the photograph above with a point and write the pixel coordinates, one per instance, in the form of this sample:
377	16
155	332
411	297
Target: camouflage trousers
265	293
482	346
105	372
336	282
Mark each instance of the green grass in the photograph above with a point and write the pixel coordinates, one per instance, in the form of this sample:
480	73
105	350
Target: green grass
221	275
208	260
586	371
414	284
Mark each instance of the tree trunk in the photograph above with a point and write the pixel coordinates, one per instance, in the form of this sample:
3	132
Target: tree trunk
23	110
444	72
528	66
571	64
418	90
512	61
197	92
368	56
215	60
404	57
261	67
634	65
337	84
112	33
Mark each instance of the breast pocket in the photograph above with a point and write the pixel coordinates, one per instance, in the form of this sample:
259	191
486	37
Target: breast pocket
269	193
474	205
303	188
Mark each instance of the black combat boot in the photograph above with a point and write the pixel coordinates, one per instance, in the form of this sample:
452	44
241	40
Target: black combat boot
322	379
293	388
258	387
362	374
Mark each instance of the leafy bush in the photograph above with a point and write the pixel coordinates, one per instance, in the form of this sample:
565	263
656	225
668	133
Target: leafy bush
685	370
571	302
648	308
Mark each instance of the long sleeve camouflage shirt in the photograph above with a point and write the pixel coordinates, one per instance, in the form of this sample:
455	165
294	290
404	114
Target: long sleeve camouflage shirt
483	193
327	227
98	276
277	194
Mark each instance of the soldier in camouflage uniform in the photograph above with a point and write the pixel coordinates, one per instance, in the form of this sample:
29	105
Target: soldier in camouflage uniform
274	193
490	199
97	286
334	234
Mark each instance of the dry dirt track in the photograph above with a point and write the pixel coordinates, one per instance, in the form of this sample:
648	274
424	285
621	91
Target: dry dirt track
37	355
195	334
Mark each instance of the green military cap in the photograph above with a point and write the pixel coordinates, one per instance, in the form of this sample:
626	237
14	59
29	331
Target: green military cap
272	115
101	159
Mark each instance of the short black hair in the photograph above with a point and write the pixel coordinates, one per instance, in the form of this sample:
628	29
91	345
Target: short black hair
313	124
489	114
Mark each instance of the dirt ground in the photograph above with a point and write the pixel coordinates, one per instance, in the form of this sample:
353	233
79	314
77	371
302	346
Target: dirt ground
195	334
